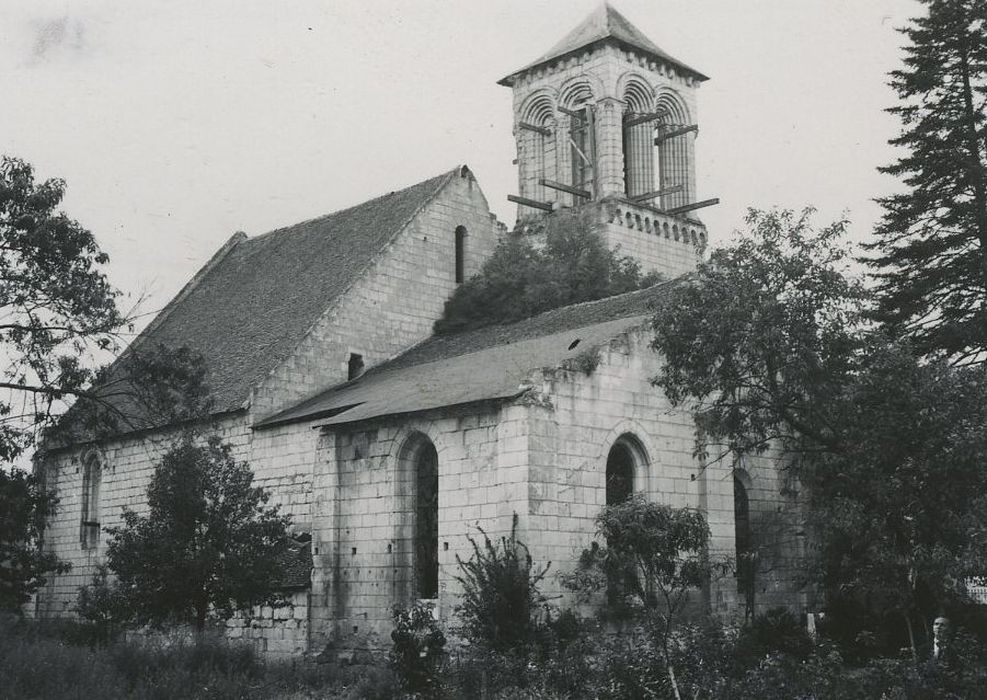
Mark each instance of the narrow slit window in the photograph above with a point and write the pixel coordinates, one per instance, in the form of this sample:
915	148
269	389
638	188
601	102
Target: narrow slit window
460	254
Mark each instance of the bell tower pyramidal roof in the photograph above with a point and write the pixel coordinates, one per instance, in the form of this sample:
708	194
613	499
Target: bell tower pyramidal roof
605	24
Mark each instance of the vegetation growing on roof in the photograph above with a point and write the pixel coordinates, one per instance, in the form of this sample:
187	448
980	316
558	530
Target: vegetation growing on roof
521	280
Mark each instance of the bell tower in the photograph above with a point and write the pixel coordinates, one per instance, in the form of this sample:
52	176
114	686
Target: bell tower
606	118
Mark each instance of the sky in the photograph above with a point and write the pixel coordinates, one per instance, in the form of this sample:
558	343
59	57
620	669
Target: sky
178	123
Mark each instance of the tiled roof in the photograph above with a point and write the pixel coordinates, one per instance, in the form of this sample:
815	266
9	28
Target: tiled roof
484	364
248	309
605	23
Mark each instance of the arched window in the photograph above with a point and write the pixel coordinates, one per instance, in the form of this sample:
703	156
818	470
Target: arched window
638	139
92	476
426	561
672	151
460	254
581	145
744	545
625	460
620	474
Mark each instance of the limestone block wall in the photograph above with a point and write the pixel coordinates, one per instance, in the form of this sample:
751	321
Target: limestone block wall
577	423
282	460
394	305
127	466
671	245
363	533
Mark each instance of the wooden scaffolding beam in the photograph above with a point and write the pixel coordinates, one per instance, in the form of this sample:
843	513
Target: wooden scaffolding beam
565	188
533	203
695	205
657	193
676	132
544	131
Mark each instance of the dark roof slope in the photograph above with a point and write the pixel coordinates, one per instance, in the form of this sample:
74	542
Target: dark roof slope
604	24
252	304
480	365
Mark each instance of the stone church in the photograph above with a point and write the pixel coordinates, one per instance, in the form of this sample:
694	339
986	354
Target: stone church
387	444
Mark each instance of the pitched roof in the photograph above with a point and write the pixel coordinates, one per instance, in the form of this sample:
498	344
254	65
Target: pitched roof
251	305
603	24
484	364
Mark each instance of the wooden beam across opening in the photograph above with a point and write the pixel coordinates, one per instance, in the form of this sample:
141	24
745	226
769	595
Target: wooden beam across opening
675	132
695	205
544	131
657	193
565	188
643	119
533	203
573	113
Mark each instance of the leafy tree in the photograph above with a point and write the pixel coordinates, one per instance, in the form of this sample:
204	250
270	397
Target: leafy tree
768	340
520	280
653	556
932	242
208	546
500	602
57	307
24	505
763	335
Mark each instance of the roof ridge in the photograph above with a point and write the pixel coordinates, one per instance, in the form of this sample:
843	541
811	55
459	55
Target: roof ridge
336	212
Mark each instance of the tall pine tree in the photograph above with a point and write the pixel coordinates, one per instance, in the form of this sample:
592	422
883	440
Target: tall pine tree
931	248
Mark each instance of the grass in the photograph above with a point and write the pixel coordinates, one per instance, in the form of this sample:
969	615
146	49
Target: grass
53	661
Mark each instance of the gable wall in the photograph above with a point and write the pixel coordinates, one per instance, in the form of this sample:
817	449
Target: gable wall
578	422
394	305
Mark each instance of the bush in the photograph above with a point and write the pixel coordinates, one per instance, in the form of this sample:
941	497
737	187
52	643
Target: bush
520	280
776	631
501	602
419	648
102	606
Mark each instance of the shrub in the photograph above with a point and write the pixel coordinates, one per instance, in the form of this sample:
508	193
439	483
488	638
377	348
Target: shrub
102	606
520	280
501	602
419	648
776	631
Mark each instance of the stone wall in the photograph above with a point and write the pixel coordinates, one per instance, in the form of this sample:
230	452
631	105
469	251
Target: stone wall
393	305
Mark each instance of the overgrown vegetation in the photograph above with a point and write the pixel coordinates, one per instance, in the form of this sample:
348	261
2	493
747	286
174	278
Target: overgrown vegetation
418	649
24	506
208	547
520	280
54	661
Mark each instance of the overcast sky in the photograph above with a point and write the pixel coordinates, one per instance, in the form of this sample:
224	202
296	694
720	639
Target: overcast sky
177	123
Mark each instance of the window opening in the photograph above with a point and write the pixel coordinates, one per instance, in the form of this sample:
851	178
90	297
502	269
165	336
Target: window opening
581	143
92	477
460	254
427	523
620	474
742	537
354	367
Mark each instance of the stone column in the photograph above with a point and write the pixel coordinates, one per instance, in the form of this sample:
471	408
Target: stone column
609	147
